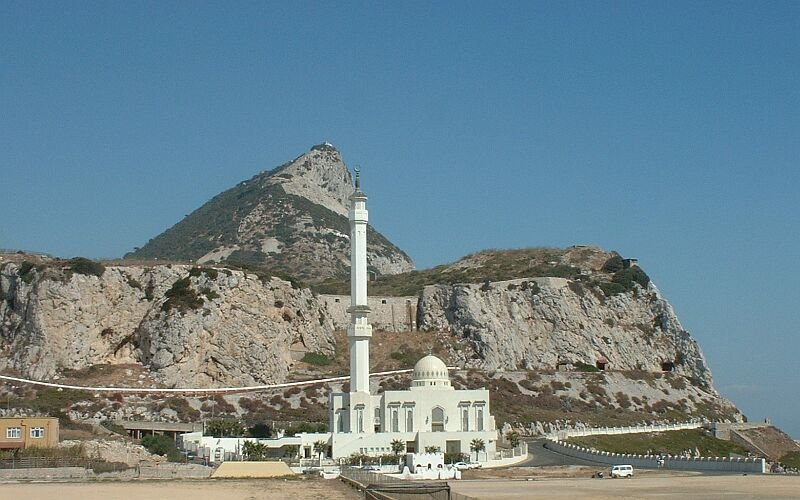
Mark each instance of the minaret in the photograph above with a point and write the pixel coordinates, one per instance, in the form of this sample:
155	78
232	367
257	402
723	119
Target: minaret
359	331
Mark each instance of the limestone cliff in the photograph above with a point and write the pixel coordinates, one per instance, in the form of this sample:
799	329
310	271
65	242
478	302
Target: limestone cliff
549	323
190	326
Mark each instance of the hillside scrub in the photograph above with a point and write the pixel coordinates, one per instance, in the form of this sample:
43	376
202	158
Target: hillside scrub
669	442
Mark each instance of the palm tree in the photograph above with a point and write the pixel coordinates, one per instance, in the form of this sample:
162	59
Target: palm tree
398	447
319	448
476	446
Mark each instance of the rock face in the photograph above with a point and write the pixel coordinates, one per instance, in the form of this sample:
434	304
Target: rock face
291	219
222	328
549	323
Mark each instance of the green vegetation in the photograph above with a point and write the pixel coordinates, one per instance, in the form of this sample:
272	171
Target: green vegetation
254	452
407	356
309	427
115	428
791	459
613	264
494	265
210	272
180	406
162	445
672	442
316	359
26	271
225	428
580	366
53	402
82	265
182	297
477	445
513	438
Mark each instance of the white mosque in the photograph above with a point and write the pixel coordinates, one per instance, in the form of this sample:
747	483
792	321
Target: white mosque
430	414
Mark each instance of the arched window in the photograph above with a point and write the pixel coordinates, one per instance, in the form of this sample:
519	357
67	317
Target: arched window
437	419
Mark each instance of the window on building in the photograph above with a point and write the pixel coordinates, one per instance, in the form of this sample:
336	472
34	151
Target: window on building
479	418
409	419
395	419
13	433
359	419
465	418
37	432
437	419
340	420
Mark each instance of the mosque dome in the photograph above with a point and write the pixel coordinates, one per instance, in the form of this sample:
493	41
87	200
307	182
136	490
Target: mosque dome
431	372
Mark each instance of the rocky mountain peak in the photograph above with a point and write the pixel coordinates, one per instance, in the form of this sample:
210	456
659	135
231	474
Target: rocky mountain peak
291	219
320	176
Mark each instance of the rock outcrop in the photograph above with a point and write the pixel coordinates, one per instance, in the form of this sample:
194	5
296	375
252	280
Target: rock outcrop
192	327
291	219
549	323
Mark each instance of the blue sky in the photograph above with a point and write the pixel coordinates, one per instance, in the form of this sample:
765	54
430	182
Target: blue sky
667	131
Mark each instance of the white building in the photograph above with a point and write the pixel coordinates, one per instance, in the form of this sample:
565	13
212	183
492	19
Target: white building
430	414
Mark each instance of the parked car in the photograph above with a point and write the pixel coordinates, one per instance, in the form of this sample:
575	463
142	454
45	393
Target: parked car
373	468
466	465
621	471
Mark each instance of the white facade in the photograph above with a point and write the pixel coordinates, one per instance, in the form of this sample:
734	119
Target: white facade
430	414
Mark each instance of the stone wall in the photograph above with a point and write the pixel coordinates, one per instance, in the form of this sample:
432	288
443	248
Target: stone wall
634	429
391	314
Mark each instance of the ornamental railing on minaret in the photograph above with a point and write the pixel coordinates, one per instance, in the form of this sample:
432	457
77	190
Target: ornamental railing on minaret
359	331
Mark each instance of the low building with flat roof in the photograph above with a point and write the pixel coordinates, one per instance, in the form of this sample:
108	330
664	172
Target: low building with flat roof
28	432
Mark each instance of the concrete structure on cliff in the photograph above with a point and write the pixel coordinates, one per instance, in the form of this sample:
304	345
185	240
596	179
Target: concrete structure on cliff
431	414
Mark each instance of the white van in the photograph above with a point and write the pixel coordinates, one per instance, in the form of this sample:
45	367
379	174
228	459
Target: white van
622	471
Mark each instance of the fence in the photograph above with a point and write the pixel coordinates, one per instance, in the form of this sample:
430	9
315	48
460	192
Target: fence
383	487
57	462
634	429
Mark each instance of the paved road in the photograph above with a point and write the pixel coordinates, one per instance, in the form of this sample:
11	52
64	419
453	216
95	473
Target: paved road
539	456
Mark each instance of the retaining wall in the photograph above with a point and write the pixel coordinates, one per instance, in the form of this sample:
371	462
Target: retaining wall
391	314
634	429
717	464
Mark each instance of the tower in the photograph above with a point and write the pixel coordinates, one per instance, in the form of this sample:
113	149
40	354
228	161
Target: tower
359	331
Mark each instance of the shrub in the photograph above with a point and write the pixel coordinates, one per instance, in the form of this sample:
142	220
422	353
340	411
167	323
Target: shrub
317	359
160	444
584	367
82	265
210	272
180	406
115	428
302	427
627	277
25	271
225	428
613	264
407	356
182	297
610	289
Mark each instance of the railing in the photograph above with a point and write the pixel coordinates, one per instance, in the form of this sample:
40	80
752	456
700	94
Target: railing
719	464
378	486
634	429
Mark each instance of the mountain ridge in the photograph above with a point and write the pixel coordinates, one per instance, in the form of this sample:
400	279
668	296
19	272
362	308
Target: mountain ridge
292	218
